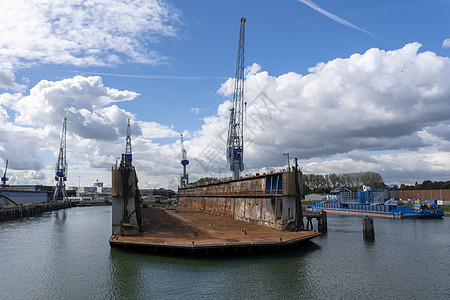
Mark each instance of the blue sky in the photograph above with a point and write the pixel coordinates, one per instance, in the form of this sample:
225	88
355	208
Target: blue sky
346	86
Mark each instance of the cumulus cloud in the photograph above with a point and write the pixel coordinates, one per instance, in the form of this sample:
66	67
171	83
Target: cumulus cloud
96	124
446	43
153	130
96	32
7	81
83	100
21	145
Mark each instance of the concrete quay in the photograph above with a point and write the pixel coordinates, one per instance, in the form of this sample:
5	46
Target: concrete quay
24	211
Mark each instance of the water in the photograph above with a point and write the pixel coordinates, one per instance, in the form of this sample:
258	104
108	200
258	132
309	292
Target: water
65	255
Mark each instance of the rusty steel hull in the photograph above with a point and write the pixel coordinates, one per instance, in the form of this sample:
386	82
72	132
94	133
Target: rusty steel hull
267	200
188	232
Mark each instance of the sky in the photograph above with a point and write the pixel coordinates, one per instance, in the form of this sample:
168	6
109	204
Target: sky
344	86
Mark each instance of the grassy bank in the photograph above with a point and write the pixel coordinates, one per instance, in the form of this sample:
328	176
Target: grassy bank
98	202
446	209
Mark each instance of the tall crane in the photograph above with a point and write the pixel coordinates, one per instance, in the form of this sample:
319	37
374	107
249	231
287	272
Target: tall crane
184	180
235	141
4	178
61	167
128	153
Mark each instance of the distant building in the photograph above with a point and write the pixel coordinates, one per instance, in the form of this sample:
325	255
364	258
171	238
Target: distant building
316	197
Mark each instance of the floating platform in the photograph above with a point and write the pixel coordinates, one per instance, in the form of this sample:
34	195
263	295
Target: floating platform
188	232
421	211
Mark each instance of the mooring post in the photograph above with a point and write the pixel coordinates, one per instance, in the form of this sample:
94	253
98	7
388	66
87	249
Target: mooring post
299	225
322	222
368	230
309	224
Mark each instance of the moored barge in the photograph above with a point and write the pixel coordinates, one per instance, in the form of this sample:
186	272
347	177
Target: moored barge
376	203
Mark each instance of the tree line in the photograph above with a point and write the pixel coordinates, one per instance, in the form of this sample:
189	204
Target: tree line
314	183
427	185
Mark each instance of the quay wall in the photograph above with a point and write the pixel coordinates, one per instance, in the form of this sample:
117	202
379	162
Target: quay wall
24	211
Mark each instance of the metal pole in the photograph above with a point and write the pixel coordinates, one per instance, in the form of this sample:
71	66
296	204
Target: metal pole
289	166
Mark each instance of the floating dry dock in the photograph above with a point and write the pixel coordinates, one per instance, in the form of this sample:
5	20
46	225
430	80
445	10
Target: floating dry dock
187	232
242	216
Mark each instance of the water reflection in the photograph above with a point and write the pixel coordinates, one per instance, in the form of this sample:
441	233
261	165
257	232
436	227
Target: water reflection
139	275
125	280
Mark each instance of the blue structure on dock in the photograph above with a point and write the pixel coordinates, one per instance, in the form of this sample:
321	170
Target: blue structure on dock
376	202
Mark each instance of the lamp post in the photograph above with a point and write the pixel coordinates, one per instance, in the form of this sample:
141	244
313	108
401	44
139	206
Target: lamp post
287	154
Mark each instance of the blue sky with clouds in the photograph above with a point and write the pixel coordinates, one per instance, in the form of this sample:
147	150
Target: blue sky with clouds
346	86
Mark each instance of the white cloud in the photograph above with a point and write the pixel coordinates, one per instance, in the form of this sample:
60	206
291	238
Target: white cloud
7	81
96	32
446	43
96	125
21	145
83	100
153	130
195	110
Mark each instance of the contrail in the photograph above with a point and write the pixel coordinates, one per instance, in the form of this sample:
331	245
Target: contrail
172	77
333	17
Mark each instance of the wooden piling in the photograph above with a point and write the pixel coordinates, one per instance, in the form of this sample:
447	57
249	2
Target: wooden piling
321	217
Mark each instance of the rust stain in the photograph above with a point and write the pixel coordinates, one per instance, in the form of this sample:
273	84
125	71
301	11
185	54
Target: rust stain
167	227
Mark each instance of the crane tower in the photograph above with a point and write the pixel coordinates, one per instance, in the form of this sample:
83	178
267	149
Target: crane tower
235	141
61	168
128	153
184	180
4	178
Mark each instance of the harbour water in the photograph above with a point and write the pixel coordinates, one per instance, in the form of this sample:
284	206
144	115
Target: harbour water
65	255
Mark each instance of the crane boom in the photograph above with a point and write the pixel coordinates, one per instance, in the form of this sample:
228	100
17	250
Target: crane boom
235	141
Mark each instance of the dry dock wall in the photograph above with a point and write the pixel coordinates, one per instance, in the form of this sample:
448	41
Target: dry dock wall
267	199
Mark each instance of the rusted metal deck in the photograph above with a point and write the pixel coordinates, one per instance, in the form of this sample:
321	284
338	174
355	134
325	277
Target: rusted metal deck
185	231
